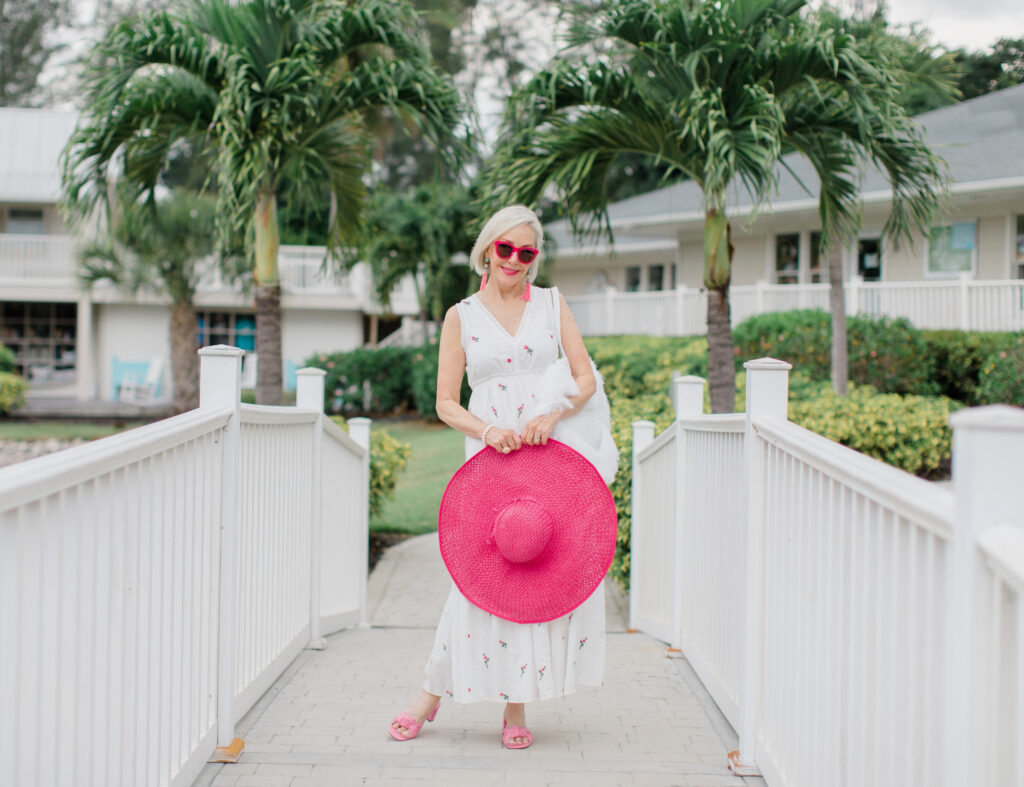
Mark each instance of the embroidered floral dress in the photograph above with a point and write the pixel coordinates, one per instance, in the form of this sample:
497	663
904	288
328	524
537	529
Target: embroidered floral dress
477	656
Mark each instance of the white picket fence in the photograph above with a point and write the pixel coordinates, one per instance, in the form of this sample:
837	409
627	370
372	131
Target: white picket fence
856	625
155	583
962	304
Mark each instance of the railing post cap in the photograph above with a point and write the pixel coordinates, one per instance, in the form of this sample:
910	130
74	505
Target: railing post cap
643	424
310	371
359	421
221	350
771	364
690	378
994	417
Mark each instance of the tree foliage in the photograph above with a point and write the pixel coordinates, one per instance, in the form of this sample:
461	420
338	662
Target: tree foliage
718	93
281	91
1000	66
416	232
26	44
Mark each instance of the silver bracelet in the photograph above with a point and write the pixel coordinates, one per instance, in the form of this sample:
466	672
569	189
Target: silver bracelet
483	437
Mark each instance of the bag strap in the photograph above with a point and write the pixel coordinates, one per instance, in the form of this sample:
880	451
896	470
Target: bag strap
556	307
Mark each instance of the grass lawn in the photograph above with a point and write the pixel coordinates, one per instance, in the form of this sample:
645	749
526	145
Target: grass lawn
437	452
62	430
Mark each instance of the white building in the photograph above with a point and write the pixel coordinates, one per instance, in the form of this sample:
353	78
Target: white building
659	235
74	343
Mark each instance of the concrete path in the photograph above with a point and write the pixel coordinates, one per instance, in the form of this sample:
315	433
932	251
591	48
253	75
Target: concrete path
325	721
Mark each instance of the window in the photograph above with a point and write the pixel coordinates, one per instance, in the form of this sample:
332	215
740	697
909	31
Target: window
869	259
656	277
42	338
1019	248
633	278
951	249
25	221
787	259
234	330
816	272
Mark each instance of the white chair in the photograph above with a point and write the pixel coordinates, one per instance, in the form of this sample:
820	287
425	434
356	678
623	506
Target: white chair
249	361
144	392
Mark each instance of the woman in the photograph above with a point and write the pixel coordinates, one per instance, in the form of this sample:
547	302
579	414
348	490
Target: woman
505	337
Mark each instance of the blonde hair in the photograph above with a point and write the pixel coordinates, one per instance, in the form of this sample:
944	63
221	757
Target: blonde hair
496	226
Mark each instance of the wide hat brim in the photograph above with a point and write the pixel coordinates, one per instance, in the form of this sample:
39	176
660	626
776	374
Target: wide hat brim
493	497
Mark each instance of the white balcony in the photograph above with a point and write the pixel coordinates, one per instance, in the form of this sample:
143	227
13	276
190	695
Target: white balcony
48	261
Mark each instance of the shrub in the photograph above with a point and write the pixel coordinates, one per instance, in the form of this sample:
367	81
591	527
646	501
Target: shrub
423	381
366	380
960	357
6	359
12	392
909	432
884	352
635	365
388	458
1002	377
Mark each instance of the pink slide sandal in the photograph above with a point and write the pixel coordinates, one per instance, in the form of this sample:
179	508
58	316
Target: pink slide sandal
507	733
407	721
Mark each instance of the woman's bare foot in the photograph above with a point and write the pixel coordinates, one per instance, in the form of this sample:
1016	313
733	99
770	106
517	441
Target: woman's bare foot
515	716
421	706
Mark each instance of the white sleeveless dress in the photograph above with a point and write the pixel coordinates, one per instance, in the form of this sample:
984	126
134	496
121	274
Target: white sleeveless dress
477	656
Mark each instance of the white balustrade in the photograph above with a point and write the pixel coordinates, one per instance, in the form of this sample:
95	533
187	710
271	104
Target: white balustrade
964	304
27	259
154	583
855	624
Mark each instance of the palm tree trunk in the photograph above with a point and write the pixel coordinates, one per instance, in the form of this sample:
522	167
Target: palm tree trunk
268	300
184	359
718	252
837	305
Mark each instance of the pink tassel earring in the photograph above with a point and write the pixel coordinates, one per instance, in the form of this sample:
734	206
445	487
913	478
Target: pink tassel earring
526	295
483	279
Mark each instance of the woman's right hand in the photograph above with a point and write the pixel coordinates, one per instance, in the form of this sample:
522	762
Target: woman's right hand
503	440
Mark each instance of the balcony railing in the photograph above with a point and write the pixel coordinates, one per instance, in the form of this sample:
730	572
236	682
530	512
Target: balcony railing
50	260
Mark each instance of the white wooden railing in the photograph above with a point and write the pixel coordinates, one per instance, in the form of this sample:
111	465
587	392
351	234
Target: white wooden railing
963	304
856	625
51	260
153	584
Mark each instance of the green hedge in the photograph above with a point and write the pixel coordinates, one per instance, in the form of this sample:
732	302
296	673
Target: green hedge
365	380
388	458
12	392
6	359
961	358
909	432
887	353
1002	376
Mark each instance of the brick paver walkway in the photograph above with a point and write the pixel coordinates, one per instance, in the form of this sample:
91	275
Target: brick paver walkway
325	721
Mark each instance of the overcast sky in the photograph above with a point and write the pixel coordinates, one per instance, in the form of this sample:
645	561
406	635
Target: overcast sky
972	24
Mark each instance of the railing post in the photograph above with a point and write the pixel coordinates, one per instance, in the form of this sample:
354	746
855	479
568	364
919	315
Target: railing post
987	489
767	395
359	430
965	301
220	384
309	395
688	400
643	436
688	396
852	289
609	305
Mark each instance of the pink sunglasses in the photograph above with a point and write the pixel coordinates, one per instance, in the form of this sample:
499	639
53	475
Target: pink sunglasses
505	250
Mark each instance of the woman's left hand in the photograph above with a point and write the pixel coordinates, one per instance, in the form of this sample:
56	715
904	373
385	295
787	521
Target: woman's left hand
538	430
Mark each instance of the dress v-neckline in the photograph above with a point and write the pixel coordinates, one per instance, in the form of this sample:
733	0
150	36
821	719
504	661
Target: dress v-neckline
496	321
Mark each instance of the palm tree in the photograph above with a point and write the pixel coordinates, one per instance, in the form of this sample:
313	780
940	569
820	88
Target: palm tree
161	247
280	90
718	92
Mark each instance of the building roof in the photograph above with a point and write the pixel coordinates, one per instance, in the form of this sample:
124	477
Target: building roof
31	141
982	140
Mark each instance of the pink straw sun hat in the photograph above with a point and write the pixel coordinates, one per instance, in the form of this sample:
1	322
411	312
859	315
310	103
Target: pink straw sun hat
529	535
